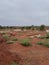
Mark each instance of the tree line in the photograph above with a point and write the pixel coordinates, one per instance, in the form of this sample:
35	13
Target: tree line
32	27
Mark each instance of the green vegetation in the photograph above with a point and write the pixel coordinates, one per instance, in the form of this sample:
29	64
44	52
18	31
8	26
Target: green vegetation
6	37
39	43
14	64
32	27
3	33
25	42
44	42
47	44
47	35
22	28
42	37
10	42
42	27
14	39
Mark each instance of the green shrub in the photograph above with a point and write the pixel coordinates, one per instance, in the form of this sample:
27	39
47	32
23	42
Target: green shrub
3	33
39	43
14	39
44	42
42	27
6	37
14	63
47	35
25	42
47	44
42	37
9	42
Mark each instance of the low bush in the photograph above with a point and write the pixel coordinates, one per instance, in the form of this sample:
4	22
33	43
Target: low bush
3	33
14	39
9	42
6	37
25	42
47	44
47	35
14	64
40	43
42	37
42	27
44	42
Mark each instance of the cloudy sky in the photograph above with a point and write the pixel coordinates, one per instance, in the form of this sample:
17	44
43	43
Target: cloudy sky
24	12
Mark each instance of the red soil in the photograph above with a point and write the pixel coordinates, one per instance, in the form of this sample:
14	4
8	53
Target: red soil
32	55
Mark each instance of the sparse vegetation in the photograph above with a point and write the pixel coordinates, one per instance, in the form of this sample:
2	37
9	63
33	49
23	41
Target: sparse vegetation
14	63
25	42
32	27
3	33
47	35
10	42
24	46
47	44
42	27
14	39
42	37
6	37
44	42
39	43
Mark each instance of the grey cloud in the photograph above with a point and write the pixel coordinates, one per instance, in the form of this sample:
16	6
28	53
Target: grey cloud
24	12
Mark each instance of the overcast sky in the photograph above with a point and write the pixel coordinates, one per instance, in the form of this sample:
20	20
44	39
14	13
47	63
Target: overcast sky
24	12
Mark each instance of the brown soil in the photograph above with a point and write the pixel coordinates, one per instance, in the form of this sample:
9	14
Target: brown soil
31	55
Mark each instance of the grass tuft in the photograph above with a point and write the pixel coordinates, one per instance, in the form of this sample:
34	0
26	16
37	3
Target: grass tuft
14	63
6	37
25	42
14	39
9	42
40	43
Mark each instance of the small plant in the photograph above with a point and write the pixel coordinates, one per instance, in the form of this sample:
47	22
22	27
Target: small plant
6	37
9	42
39	43
14	39
14	63
47	36
42	27
44	42
47	44
3	33
25	42
42	37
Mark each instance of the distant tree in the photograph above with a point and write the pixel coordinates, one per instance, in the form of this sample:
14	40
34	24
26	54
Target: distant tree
42	27
1	27
27	27
32	27
22	28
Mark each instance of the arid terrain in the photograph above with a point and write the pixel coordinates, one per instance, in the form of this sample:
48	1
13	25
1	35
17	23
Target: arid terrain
17	54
